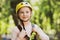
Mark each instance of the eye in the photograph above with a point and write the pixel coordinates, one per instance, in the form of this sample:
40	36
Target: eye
21	12
27	11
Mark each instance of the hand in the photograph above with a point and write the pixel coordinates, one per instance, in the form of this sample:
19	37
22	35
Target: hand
22	34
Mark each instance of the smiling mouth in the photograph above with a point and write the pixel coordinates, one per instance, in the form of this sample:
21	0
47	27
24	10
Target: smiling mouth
24	17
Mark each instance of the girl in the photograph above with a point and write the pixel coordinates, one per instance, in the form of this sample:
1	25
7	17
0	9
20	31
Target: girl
26	29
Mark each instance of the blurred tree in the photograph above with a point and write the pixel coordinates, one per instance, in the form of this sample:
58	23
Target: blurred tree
4	16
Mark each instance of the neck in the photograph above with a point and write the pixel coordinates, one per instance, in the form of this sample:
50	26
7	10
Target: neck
26	23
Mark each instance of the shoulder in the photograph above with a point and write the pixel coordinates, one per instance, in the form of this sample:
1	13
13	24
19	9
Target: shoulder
13	29
36	26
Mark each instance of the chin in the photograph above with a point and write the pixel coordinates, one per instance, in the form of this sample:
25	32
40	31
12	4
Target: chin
26	20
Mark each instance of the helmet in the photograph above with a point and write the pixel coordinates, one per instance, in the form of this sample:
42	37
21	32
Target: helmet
22	4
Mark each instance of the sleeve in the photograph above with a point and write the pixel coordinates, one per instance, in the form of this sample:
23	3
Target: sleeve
13	36
14	33
40	32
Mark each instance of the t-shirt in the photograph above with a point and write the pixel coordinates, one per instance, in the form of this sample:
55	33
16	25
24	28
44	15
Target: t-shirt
15	31
28	28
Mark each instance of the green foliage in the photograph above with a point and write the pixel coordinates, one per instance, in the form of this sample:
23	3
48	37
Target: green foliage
32	36
5	14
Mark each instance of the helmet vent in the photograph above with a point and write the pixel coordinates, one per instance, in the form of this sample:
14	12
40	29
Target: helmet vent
26	3
21	3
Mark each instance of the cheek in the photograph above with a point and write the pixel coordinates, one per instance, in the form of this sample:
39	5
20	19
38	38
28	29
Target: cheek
20	15
29	14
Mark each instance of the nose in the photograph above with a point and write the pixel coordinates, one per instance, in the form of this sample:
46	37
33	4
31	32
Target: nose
24	14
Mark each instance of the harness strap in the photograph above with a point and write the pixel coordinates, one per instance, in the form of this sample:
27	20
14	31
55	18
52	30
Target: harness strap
33	33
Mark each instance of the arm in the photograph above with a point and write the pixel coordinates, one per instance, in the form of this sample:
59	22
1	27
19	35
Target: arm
13	34
41	34
17	35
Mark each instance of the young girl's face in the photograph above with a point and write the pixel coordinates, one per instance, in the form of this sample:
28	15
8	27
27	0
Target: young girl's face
25	14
